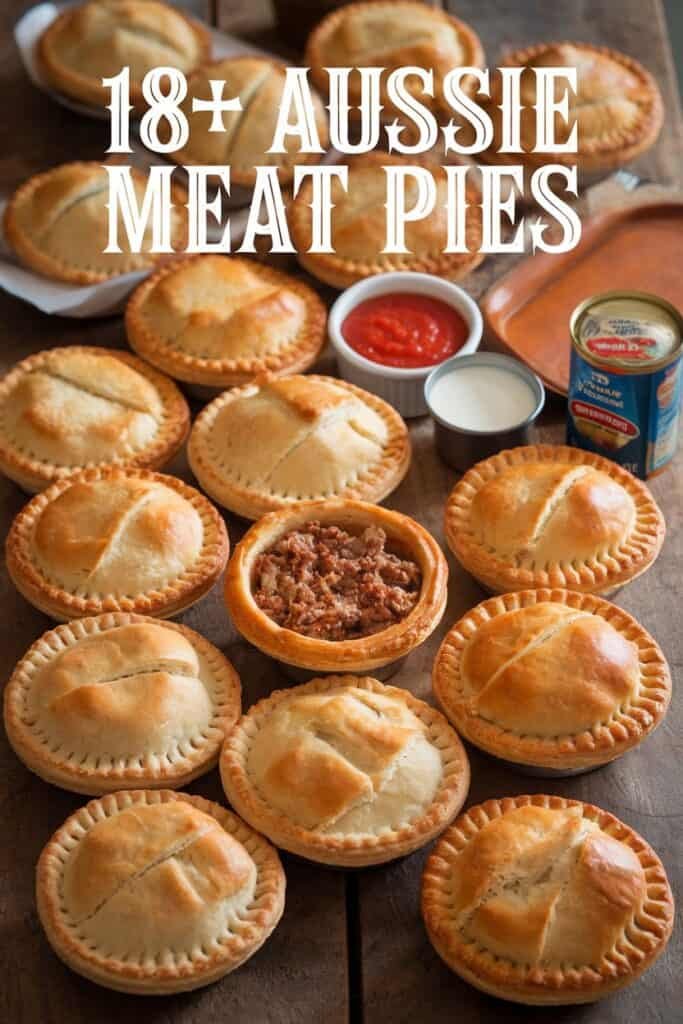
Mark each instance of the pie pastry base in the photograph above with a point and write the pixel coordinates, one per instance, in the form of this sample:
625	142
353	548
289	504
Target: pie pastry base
358	655
533	961
194	44
21	463
519	681
339	759
303	445
294	355
64	717
359	228
42	586
578	521
200	901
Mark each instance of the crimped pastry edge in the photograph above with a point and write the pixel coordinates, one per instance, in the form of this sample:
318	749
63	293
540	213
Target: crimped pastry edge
340	272
31	255
600	576
315	59
187	972
354	850
373	485
171	599
360	655
33	474
599	156
145	770
294	357
647	939
591	748
91	91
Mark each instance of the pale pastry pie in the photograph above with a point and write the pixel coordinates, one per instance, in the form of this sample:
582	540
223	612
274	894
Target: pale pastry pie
617	107
543	900
552	679
248	133
345	771
114	539
70	408
154	892
552	516
359	227
393	35
217	321
278	441
120	701
92	41
339	585
57	224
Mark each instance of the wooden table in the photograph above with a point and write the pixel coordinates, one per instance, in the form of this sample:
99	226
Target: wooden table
350	945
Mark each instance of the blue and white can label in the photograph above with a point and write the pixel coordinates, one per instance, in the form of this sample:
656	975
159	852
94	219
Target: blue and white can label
625	380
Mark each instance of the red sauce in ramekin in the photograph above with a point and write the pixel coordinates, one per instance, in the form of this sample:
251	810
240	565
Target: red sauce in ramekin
405	330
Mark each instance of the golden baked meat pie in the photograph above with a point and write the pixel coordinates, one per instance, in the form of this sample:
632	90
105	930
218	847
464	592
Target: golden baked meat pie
120	701
553	680
332	586
248	133
91	41
57	224
278	441
218	321
617	108
70	408
543	900
345	771
154	892
393	35
552	516
359	227
114	539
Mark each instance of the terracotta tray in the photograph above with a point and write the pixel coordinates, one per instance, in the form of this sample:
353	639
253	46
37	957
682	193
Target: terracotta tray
527	311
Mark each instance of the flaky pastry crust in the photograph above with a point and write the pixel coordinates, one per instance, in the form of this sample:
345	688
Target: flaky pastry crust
227	853
494	674
615	889
293	355
324	790
358	655
359	229
69	696
22	462
552	516
42	587
311	408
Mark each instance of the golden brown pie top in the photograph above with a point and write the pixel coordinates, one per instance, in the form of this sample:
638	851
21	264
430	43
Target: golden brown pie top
288	439
545	898
617	106
92	41
543	515
68	408
157	891
248	133
342	762
553	678
392	35
115	539
359	227
220	320
120	700
57	223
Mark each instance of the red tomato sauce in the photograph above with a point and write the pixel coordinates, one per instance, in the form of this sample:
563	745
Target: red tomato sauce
405	330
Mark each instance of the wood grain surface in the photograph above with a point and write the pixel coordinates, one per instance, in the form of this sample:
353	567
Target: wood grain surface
350	946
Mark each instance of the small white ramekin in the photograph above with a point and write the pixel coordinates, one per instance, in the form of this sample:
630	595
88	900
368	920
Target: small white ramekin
402	388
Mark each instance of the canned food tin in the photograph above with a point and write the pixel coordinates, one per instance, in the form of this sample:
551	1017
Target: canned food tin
625	379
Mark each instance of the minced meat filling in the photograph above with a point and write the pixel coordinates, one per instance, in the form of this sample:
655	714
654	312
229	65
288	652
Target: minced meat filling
325	583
